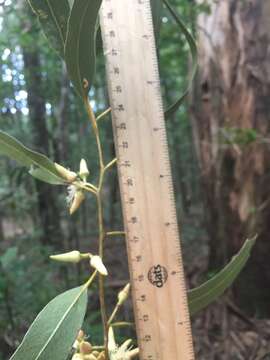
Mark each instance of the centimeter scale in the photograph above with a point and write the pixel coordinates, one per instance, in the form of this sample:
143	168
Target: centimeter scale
154	251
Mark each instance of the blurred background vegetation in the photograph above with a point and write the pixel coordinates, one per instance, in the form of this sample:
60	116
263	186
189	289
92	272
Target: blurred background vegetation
219	146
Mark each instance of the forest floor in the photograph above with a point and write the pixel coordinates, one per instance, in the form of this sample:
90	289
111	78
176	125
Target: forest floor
223	331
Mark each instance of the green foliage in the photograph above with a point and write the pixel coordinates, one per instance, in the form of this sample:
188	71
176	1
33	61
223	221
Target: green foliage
205	294
73	34
80	47
53	17
194	54
238	136
54	331
45	168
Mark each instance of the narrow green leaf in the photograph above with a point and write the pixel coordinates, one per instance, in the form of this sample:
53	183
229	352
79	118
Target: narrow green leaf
205	294
156	6
53	17
71	3
54	331
194	54
16	150
45	176
80	47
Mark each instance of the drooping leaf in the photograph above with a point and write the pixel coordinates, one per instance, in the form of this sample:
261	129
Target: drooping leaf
194	54
80	47
54	331
53	17
45	176
205	294
17	151
156	6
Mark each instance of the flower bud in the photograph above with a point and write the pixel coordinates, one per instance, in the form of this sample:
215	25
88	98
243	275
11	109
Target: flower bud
68	175
85	347
123	294
77	201
95	353
71	257
96	263
84	172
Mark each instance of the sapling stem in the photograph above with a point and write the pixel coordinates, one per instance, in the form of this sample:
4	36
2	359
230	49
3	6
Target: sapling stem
98	193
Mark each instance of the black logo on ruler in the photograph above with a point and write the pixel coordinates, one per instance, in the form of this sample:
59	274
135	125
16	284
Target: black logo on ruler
158	275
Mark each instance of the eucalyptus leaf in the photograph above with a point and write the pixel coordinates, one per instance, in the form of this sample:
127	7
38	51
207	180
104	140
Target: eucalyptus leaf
53	17
16	150
80	46
194	54
54	331
45	176
205	294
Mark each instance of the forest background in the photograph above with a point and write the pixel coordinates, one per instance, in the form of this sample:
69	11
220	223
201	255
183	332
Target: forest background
219	146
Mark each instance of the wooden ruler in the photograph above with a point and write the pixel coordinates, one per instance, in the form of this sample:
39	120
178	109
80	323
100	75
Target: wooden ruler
154	251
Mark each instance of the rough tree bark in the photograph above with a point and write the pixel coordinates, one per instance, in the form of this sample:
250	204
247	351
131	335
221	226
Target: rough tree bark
231	122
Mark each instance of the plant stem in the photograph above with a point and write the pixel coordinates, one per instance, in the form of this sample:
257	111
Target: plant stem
116	233
110	164
122	324
104	114
115	311
102	232
93	121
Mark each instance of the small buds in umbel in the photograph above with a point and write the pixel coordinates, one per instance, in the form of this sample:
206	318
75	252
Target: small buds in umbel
84	172
71	257
123	294
96	263
68	175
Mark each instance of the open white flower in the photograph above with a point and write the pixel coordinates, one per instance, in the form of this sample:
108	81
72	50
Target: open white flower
71	193
123	352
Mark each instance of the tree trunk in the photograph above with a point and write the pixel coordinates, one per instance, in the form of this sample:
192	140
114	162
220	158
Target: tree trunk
48	211
230	115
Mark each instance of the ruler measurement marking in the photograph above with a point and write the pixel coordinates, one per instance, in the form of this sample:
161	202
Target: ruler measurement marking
124	137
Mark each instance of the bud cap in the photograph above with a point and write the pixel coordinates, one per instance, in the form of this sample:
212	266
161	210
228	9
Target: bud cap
96	263
123	294
71	257
84	172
